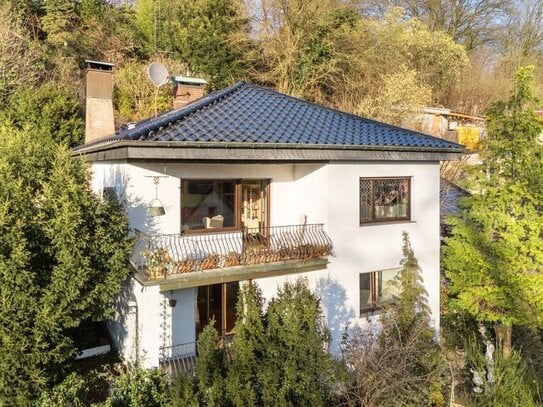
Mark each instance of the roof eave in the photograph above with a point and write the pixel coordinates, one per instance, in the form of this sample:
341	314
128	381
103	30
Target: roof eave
238	145
168	150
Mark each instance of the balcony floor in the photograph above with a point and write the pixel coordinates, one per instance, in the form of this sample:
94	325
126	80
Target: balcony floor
235	273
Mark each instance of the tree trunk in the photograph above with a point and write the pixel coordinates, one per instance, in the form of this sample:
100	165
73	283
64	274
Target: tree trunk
503	338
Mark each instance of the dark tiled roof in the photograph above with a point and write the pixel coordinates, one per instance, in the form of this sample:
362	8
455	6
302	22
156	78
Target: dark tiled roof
246	113
451	195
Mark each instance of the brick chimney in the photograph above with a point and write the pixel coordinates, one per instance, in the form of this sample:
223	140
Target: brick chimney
186	90
99	94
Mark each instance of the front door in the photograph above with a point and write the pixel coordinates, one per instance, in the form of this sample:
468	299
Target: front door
217	302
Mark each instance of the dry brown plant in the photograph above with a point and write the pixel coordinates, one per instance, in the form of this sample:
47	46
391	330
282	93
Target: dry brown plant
391	369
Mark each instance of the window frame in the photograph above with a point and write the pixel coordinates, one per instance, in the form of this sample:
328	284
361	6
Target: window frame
237	203
375	220
375	306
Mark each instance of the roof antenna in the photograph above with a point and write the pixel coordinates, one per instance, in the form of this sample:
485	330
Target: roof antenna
159	76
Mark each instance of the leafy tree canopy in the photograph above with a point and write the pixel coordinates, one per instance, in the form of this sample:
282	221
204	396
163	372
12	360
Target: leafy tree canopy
514	152
50	111
21	59
210	36
134	94
306	46
394	41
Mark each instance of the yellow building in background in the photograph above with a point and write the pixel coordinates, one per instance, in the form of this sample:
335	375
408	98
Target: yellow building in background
469	137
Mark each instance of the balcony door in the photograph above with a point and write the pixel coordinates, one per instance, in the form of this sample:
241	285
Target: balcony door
254	205
217	302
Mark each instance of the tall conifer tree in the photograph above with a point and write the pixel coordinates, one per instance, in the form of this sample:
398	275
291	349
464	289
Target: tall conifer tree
248	346
297	370
63	258
494	258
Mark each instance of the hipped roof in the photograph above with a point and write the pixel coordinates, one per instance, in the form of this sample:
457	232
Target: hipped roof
250	116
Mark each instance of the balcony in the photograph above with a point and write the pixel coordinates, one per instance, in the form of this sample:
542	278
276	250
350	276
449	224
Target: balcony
184	260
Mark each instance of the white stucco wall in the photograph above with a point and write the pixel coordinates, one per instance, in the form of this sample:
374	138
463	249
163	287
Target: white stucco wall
325	193
376	247
331	195
141	324
122	327
183	316
135	187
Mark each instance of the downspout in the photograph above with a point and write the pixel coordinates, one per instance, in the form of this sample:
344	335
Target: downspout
134	305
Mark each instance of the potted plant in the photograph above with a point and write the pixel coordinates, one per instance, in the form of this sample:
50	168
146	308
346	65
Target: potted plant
232	259
184	266
271	256
251	256
401	209
210	262
157	262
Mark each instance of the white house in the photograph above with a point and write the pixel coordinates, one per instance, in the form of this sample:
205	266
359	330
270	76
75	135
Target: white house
253	184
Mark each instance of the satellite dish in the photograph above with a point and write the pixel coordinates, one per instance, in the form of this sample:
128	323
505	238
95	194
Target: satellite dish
158	74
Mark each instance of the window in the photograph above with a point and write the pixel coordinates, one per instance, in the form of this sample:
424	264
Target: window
223	204
384	199
204	201
378	289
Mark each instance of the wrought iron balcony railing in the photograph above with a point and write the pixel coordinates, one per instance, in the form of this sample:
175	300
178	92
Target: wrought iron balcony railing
181	358
160	256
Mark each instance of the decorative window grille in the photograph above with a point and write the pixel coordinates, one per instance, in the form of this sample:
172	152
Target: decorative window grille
385	199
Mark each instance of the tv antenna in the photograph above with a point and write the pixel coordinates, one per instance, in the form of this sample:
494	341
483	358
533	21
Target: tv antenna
159	76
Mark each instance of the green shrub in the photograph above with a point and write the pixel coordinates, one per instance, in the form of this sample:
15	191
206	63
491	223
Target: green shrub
248	345
184	392
72	392
529	342
456	324
137	387
401	365
64	258
51	110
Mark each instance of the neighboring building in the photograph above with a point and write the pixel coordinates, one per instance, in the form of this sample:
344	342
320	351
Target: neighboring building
254	184
460	128
451	195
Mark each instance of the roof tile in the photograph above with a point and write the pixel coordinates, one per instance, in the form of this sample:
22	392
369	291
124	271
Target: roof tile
247	113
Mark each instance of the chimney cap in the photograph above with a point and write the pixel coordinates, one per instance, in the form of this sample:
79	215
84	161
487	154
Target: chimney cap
103	66
187	80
